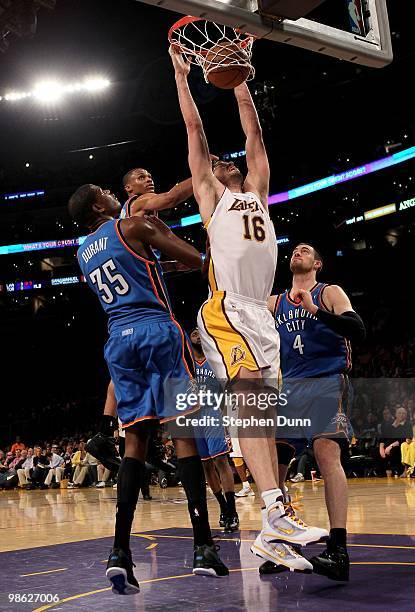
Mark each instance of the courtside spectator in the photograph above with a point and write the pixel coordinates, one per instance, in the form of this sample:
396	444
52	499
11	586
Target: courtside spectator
394	434
16	459
387	420
3	467
40	468
82	461
18	445
57	467
67	458
103	475
23	472
408	457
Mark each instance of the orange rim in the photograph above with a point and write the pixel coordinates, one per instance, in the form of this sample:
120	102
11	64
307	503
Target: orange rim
190	19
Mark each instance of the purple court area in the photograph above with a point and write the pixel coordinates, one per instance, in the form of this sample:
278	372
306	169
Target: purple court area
382	577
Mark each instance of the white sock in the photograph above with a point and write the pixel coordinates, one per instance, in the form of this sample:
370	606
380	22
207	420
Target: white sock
271	496
245	484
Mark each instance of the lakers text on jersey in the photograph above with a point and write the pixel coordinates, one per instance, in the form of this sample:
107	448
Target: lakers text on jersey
235	326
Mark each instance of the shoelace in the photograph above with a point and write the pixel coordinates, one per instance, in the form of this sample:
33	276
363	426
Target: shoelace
290	513
297	519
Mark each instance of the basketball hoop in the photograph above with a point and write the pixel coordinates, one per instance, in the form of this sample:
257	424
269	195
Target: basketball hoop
212	46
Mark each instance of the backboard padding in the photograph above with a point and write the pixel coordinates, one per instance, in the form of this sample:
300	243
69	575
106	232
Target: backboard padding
374	50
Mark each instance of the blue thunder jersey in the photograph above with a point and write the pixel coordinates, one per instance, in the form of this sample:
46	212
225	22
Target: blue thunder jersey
204	373
131	288
308	347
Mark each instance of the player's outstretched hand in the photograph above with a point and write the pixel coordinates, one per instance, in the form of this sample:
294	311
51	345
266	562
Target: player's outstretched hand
303	298
180	63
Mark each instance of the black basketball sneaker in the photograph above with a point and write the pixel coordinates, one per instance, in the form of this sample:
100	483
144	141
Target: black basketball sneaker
207	562
103	448
120	573
222	520
231	524
333	563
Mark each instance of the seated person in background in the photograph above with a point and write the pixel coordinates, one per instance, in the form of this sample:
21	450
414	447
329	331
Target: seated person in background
82	461
306	463
408	457
8	459
57	467
23	472
394	434
16	460
40	469
103	475
67	458
3	467
18	445
387	420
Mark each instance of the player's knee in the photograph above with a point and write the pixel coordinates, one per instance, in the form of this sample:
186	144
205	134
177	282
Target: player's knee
327	453
209	466
221	462
185	447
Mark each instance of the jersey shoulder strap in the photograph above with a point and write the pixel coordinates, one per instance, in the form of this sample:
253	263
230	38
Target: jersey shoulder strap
129	203
277	304
321	287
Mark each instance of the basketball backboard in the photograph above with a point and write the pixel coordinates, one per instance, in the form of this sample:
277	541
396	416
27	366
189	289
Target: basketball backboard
372	48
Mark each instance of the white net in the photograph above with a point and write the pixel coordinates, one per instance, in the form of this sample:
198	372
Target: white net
212	46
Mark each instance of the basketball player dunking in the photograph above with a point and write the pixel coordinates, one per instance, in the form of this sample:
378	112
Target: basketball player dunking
211	442
146	348
237	331
316	323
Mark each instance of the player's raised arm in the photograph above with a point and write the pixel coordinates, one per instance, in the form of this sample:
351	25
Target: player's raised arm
162	201
257	179
207	189
155	233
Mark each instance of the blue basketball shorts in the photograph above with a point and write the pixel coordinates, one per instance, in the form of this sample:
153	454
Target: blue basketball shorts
150	363
210	434
316	408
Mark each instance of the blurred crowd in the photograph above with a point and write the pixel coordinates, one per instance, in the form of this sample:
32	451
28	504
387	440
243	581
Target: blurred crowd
68	464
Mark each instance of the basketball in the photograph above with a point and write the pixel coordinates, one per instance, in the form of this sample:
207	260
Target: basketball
228	75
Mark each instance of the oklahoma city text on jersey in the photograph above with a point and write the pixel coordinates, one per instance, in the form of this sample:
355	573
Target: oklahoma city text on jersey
295	321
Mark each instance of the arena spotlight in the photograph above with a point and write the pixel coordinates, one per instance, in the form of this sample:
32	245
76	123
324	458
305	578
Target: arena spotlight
51	91
48	91
95	83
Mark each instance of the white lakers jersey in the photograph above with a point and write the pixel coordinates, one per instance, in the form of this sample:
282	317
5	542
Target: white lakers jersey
243	246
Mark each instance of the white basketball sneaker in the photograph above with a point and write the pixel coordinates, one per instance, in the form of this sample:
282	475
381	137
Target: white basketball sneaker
280	554
245	492
288	528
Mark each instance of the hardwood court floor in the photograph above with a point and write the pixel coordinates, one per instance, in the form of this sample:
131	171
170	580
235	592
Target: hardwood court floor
38	518
54	546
